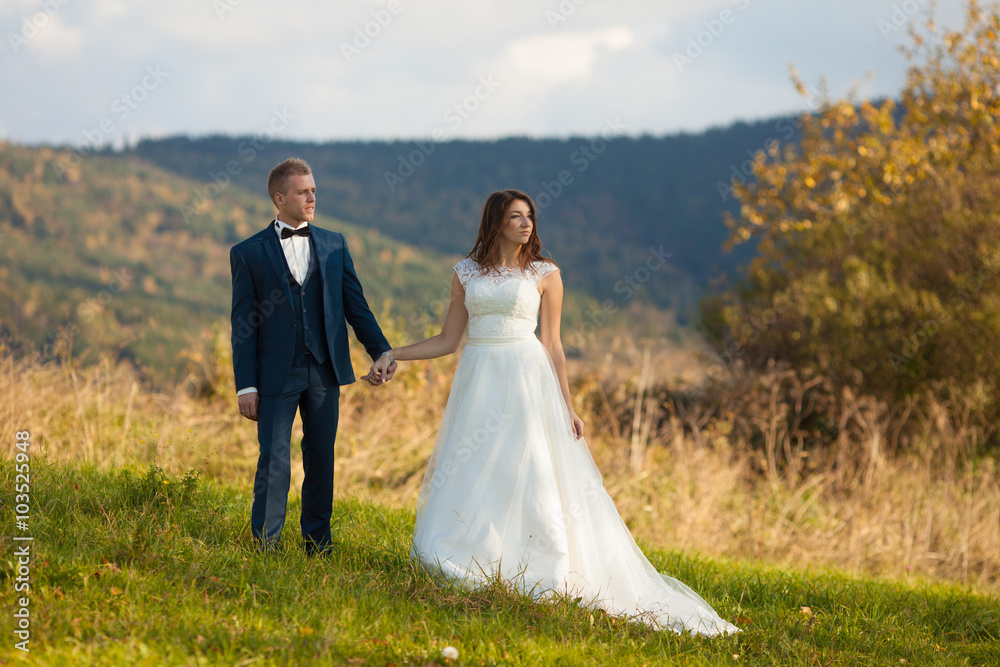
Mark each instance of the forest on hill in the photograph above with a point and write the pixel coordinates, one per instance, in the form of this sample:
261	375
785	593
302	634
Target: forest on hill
609	204
126	252
96	257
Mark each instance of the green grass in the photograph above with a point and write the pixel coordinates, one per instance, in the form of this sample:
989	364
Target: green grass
139	567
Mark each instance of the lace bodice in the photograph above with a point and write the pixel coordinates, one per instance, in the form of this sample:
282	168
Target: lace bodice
502	304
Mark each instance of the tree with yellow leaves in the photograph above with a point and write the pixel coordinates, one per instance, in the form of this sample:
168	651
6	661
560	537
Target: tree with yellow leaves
879	232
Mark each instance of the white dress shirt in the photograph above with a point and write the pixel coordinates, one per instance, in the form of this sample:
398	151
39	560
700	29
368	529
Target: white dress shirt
297	250
298	254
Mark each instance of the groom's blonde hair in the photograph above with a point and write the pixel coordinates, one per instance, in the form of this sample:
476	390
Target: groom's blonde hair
277	180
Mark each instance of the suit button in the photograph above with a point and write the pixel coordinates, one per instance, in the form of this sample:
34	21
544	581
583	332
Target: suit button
303	309
306	326
303	292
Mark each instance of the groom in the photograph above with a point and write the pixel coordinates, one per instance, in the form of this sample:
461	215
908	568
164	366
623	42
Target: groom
294	292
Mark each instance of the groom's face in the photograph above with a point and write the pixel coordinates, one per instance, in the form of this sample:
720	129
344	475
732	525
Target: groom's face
298	203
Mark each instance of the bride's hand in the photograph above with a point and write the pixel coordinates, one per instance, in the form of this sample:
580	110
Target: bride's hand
577	425
381	371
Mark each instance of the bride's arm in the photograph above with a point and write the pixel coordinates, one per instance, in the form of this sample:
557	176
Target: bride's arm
440	345
551	312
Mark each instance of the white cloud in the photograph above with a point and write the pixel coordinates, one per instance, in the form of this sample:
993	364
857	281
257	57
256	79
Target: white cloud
58	42
107	9
40	31
541	61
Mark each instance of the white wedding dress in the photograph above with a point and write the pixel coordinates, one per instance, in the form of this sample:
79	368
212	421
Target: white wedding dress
510	492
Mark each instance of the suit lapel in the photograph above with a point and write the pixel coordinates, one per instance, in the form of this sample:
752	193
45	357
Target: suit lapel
321	250
275	255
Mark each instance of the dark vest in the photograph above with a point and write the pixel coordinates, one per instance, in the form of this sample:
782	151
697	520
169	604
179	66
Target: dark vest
307	304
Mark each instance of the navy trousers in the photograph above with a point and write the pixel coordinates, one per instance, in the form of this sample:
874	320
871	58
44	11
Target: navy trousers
311	389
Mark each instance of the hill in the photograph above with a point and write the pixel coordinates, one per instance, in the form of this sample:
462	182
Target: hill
127	251
132	566
97	256
608	204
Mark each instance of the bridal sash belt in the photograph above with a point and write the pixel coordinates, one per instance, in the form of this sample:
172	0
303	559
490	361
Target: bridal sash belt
499	340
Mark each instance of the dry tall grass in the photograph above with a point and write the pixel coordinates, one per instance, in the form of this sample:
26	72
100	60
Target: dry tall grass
685	474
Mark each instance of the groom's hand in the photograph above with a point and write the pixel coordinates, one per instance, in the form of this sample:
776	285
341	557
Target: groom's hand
248	405
381	372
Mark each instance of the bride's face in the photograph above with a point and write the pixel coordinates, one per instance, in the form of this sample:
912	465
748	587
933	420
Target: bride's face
517	224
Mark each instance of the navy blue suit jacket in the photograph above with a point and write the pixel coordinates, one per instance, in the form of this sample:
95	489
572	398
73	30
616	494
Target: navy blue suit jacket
263	321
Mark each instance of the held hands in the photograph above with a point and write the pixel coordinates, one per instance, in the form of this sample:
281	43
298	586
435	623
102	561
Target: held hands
382	370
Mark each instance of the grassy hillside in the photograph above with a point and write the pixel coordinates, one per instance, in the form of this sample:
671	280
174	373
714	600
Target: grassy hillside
703	484
134	565
140	567
101	254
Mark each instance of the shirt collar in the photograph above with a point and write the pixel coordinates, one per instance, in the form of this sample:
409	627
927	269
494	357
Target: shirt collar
279	225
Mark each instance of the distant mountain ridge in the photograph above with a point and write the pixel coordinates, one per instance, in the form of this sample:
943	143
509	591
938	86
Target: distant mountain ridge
607	203
127	251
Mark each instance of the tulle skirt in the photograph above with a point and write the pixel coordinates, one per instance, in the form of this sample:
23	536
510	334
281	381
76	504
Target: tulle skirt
509	492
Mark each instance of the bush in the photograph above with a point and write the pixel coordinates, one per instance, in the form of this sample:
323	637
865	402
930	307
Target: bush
879	234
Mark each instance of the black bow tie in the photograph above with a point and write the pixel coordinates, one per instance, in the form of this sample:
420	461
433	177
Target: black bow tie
287	232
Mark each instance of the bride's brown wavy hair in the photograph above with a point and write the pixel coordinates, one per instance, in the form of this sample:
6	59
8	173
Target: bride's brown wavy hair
486	250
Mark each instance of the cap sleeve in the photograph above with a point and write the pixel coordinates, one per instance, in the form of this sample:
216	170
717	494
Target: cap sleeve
465	270
542	269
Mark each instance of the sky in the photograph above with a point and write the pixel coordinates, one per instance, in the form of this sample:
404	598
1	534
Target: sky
109	72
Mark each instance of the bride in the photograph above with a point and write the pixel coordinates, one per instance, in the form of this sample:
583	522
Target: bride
511	489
